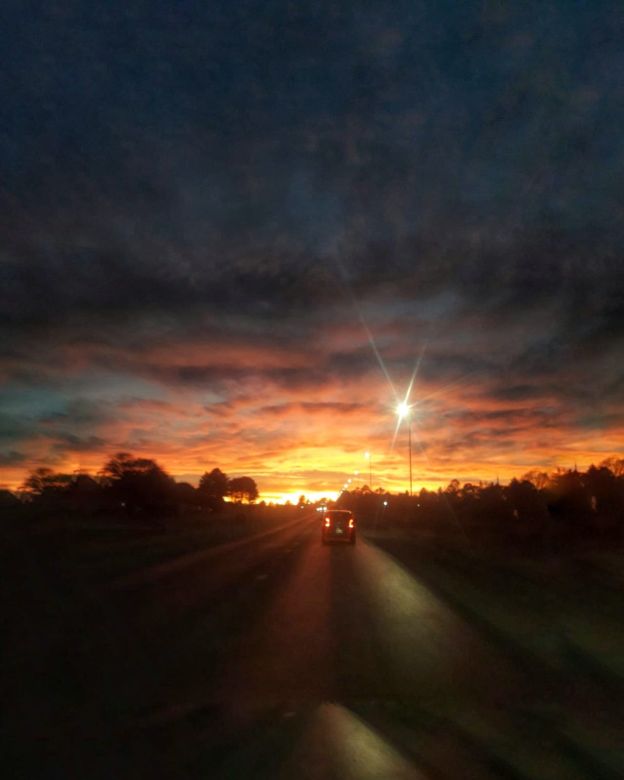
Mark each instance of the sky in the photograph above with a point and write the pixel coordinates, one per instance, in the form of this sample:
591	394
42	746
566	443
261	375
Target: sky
231	234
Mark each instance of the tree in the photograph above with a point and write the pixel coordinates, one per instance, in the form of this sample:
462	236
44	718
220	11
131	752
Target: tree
47	489
605	498
139	484
8	500
243	488
530	515
85	494
615	465
212	488
44	480
452	489
569	504
186	497
538	478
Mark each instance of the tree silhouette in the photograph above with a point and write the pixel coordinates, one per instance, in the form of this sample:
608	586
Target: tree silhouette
213	487
85	494
570	502
45	481
243	488
139	484
554	511
606	495
8	500
615	465
186	497
538	478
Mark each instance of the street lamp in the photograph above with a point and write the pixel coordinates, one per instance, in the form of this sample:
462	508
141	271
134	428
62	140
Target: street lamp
369	458
403	411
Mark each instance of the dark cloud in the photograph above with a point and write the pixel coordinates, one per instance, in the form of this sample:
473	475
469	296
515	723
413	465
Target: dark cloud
181	180
283	410
12	458
522	392
13	428
65	440
79	412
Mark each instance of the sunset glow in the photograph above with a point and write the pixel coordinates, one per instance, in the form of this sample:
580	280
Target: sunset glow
305	438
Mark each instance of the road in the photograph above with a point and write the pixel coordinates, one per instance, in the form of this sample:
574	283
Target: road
276	657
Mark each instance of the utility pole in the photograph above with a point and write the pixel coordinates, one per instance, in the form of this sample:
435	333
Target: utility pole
409	438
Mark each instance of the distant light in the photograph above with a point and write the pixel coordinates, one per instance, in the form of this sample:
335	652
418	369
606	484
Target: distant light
403	409
385	503
327	522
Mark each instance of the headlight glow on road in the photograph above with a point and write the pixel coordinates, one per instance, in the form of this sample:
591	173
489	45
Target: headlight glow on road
418	631
337	743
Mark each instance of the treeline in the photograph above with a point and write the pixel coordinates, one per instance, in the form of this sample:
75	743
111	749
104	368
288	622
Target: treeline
128	485
539	511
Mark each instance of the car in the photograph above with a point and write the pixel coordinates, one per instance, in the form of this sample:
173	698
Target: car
338	526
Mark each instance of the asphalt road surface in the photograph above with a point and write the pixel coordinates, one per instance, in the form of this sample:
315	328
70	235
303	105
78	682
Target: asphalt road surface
276	657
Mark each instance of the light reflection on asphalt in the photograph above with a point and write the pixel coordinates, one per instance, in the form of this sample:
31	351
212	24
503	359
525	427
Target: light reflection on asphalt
429	650
310	650
338	744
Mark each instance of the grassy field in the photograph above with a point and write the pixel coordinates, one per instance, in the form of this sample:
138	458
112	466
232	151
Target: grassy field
80	657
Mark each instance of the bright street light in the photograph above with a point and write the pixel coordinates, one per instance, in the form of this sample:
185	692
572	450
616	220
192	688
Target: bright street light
403	409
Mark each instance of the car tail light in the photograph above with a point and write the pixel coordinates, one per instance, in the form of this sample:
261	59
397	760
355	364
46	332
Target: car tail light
351	523
327	522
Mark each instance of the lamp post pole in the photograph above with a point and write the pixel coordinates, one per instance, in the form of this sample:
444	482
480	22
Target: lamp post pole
409	439
404	413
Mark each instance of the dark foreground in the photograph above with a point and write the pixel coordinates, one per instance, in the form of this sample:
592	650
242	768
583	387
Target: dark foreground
276	657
